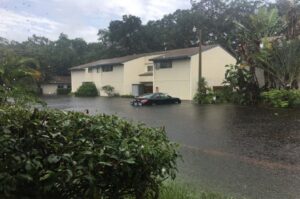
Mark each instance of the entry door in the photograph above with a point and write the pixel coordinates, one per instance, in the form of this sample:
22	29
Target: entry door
148	89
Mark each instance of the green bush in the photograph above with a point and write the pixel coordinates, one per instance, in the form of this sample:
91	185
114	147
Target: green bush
205	98
127	96
109	90
87	89
63	91
55	154
282	98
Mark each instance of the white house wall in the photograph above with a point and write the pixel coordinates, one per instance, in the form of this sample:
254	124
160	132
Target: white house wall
175	81
114	78
213	65
77	77
49	89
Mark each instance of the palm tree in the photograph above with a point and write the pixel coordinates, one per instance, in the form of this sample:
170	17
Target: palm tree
17	75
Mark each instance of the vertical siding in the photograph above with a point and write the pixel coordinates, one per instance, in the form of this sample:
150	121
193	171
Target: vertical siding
114	78
175	81
77	77
213	65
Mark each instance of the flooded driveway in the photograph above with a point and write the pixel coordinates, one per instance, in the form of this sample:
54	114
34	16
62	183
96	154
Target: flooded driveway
240	151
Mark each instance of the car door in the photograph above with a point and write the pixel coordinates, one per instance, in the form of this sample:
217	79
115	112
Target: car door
156	99
165	99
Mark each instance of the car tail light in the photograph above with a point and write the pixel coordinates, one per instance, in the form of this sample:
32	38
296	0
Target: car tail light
144	101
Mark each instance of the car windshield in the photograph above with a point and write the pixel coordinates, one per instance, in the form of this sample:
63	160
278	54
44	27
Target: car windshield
146	95
164	95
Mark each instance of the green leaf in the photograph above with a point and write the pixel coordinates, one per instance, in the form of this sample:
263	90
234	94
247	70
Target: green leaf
52	159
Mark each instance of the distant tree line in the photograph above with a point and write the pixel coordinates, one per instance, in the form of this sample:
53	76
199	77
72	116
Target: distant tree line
216	18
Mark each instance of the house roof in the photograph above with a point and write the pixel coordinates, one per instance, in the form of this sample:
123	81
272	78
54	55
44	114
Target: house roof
184	53
170	54
60	80
103	62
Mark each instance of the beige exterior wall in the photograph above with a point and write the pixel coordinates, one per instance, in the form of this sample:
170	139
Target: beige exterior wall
175	81
77	77
213	65
49	89
114	78
179	81
132	70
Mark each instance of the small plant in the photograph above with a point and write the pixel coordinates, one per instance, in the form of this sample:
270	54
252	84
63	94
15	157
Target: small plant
87	89
204	94
109	90
282	98
63	91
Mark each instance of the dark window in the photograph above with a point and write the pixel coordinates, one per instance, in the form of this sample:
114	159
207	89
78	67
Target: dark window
90	70
164	64
60	86
149	68
98	70
107	68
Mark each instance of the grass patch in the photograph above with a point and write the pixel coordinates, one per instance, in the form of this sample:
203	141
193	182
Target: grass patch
173	190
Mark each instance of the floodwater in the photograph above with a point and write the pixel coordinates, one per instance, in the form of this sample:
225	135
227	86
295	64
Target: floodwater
245	152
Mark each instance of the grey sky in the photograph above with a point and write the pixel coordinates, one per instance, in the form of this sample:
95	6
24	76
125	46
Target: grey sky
77	18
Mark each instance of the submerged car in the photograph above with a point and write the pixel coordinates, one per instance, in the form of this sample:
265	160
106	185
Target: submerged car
155	99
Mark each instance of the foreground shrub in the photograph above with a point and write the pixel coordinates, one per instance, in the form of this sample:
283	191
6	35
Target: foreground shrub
55	154
282	98
87	89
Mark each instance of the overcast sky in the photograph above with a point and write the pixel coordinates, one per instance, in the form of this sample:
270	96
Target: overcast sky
77	18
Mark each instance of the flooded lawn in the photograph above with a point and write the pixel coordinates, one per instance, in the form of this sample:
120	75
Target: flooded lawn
241	151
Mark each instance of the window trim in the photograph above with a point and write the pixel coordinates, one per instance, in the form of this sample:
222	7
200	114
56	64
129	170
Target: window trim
160	66
104	68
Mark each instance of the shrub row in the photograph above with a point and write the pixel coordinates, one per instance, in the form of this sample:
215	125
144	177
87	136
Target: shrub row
282	98
63	91
55	154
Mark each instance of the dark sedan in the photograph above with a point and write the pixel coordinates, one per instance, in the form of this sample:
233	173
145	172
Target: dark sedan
155	99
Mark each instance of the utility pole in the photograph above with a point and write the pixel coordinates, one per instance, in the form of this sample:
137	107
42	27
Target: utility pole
200	51
200	55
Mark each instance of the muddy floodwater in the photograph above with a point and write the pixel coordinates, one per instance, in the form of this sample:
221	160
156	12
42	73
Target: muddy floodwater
240	151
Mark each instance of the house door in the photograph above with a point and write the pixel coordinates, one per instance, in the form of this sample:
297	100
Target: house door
148	88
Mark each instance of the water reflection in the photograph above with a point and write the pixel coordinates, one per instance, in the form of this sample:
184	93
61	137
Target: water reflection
243	151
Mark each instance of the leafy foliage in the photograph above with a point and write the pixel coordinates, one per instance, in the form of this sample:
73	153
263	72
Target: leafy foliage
87	89
63	91
109	90
204	94
282	98
55	154
243	90
19	77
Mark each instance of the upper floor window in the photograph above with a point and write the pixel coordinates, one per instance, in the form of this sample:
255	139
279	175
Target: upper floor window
149	68
164	64
107	68
90	70
98	70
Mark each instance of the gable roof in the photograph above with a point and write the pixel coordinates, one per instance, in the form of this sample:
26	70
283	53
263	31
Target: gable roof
59	80
184	53
103	62
166	55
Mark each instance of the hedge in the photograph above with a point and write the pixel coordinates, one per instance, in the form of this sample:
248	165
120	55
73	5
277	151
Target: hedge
282	98
87	89
63	91
55	154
